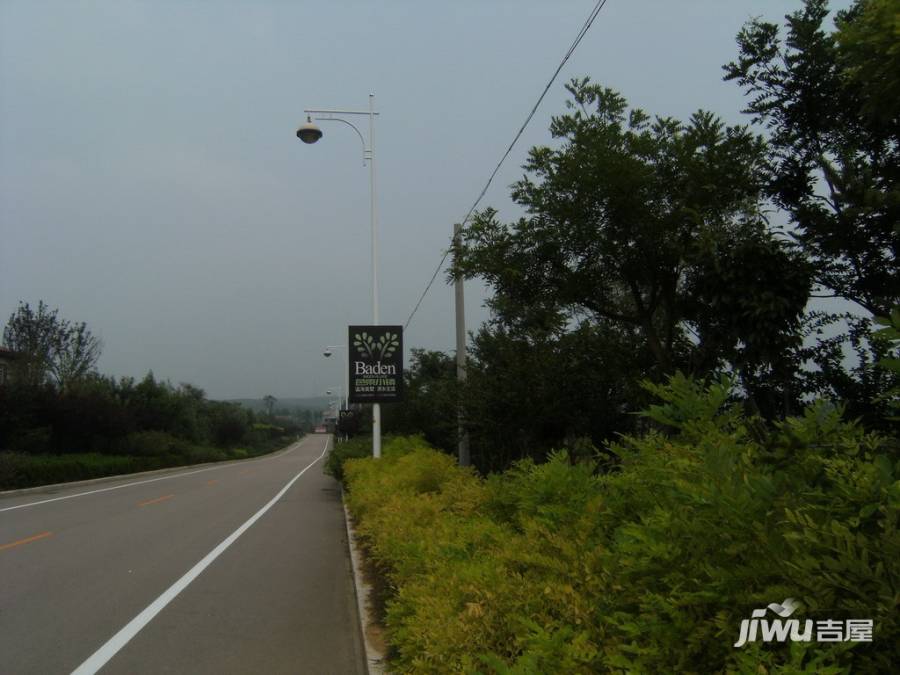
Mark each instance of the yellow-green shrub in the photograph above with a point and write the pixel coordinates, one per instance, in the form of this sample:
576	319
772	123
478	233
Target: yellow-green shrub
551	568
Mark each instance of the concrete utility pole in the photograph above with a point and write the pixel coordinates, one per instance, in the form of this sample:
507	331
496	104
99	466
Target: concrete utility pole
464	459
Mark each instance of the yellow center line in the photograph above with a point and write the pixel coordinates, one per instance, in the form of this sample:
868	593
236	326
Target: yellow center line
42	535
155	501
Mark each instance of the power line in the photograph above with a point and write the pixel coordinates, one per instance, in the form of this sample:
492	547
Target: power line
581	33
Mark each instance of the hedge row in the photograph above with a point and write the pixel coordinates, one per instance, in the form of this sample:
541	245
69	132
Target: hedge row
145	451
647	566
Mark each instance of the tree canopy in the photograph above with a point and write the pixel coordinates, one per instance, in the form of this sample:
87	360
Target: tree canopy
653	225
54	348
831	105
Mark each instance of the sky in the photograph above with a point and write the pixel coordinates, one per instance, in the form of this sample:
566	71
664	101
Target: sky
152	186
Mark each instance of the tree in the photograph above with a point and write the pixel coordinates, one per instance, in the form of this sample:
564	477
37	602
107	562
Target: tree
54	348
429	400
831	105
269	402
640	224
868	42
530	391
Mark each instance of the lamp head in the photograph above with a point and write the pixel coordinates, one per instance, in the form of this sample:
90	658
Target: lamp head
309	132
327	353
328	392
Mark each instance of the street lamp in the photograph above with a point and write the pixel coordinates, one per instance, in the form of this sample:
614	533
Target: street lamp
310	133
340	397
329	350
336	406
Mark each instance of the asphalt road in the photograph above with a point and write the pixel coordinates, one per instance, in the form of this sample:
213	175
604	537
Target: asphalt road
236	568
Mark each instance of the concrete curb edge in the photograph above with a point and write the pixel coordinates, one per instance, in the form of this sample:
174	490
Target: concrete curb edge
375	659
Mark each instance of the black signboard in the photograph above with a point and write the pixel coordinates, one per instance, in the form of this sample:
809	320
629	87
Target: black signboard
376	363
348	423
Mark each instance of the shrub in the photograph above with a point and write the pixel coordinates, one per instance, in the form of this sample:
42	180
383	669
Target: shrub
356	448
651	568
20	471
33	441
152	444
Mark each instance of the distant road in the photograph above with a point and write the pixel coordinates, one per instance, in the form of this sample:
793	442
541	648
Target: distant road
237	568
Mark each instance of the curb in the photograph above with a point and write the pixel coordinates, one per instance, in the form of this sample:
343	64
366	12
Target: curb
375	658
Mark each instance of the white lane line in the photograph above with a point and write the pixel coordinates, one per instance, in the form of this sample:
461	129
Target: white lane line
99	658
119	487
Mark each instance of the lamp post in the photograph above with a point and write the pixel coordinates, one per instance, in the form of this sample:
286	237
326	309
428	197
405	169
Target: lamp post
329	350
310	133
336	405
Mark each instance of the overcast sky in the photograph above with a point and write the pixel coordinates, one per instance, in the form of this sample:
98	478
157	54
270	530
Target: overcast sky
151	184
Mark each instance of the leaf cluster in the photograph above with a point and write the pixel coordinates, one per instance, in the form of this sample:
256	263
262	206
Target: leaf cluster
831	105
49	347
652	225
555	568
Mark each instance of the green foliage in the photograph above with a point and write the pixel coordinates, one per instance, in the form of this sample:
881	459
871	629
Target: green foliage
48	347
688	402
890	333
831	104
355	448
153	444
429	400
532	389
149	424
21	470
650	568
647	224
868	40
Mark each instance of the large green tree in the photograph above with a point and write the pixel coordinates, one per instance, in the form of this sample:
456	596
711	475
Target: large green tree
429	403
830	102
651	225
54	348
530	391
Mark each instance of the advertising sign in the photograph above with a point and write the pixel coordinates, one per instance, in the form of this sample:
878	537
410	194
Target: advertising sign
376	363
348	423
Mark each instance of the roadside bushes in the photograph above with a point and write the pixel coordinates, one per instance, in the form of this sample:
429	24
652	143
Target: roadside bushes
19	470
358	447
649	568
99	426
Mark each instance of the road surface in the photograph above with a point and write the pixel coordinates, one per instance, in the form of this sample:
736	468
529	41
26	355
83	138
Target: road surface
235	568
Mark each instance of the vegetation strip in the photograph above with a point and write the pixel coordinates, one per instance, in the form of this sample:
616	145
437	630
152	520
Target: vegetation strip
651	566
375	657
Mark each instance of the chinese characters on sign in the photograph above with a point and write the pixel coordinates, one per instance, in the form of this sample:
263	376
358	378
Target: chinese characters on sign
376	363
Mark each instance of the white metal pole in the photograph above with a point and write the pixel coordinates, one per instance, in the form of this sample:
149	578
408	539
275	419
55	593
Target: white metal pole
347	377
376	408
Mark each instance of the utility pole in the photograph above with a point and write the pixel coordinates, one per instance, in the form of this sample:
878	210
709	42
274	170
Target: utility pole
464	458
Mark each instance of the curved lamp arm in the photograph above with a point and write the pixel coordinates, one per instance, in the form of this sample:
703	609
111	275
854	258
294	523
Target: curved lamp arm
366	151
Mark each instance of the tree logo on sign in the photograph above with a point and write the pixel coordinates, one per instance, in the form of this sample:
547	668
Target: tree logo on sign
376	349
